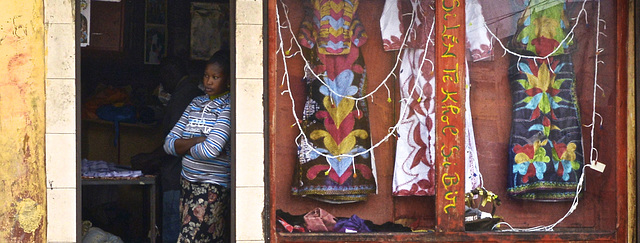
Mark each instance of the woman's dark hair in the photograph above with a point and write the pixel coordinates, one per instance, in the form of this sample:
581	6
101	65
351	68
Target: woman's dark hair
222	58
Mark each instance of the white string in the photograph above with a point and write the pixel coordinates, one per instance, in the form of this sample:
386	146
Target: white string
550	227
594	152
596	86
307	67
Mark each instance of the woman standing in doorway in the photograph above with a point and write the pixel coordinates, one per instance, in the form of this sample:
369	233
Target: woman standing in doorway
201	137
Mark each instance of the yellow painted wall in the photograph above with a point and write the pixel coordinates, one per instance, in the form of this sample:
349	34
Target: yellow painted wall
22	127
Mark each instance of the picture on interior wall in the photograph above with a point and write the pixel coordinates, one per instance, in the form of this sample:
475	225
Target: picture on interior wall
156	12
155	43
85	17
209	29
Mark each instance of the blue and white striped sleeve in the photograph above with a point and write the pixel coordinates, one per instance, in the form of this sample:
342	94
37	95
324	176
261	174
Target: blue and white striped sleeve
217	138
176	132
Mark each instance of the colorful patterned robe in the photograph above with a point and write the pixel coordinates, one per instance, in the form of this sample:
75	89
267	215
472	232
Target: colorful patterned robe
333	123
545	147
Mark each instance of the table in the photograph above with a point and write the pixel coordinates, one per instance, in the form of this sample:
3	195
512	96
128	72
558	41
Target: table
148	181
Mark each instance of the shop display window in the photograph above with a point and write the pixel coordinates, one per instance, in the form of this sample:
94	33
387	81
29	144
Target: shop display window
405	120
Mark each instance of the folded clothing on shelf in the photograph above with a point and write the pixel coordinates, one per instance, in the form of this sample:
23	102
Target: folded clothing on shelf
99	168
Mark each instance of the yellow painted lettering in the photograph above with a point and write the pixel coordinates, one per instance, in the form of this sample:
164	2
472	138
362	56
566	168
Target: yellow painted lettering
448	96
456	148
447	52
444	119
451	75
455	3
450	196
451	37
446	16
450	108
452	129
446	164
450	180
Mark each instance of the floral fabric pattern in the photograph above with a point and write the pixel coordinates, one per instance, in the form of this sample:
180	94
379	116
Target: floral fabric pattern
205	212
545	148
335	165
546	140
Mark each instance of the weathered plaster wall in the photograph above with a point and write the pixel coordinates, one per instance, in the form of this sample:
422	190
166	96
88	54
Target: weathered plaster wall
22	127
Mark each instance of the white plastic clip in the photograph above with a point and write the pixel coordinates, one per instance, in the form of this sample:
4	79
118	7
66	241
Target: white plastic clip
597	166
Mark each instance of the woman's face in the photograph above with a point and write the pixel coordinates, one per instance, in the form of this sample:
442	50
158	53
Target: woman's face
215	81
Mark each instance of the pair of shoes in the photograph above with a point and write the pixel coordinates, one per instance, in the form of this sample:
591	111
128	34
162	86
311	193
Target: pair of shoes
474	218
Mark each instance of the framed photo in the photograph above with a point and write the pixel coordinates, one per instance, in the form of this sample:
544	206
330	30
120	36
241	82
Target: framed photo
85	18
155	43
209	29
156	12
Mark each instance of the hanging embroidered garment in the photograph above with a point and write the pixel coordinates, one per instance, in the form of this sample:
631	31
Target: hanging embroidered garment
478	38
545	147
414	173
332	25
473	177
479	45
335	164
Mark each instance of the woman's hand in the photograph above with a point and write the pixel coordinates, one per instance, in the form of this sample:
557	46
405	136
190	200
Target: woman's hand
184	145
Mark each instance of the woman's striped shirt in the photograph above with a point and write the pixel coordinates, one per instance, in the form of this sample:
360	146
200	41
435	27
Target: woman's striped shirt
207	161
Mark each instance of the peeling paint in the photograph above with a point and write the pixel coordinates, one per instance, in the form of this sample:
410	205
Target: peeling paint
22	122
29	215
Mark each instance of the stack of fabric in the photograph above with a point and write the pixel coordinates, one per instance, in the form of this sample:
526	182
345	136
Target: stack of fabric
99	168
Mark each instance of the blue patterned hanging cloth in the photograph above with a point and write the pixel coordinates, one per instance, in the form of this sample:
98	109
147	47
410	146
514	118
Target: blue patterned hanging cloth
545	146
